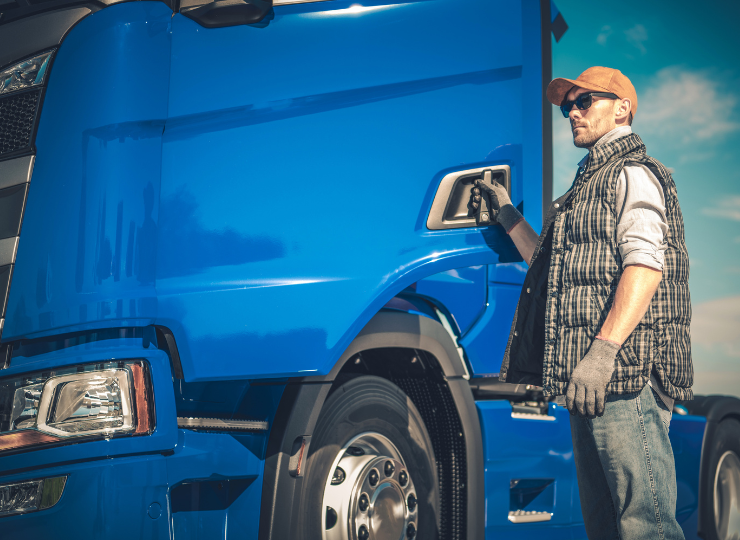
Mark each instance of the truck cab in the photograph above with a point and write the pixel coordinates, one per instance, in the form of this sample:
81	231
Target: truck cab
244	293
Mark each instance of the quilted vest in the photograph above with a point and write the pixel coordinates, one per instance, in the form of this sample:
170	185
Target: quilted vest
567	296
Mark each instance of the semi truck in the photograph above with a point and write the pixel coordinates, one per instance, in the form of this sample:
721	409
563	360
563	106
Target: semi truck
244	293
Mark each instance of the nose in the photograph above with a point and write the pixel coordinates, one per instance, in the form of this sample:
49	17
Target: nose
574	113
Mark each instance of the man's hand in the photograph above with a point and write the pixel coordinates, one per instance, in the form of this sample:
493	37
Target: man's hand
496	194
587	387
503	211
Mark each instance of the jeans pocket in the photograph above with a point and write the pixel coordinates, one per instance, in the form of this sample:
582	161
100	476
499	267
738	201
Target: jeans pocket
665	413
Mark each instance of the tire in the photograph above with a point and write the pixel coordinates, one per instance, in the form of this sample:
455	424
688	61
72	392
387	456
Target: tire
724	485
366	424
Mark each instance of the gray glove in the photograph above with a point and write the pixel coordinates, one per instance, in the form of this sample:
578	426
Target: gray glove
505	212
587	387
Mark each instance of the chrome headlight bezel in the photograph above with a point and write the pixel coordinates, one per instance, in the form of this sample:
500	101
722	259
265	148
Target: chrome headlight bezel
32	401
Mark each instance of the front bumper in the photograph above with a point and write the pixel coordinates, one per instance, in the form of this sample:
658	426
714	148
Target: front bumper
174	483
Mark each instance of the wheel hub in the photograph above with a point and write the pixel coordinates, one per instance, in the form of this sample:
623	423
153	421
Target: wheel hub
376	498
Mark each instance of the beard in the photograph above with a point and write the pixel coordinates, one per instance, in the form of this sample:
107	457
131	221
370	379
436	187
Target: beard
590	134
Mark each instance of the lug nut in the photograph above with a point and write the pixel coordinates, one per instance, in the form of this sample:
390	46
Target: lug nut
403	478
364	534
364	503
388	469
338	477
411	502
410	531
373	477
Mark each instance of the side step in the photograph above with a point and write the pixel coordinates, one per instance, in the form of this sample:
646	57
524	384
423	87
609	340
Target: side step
522	516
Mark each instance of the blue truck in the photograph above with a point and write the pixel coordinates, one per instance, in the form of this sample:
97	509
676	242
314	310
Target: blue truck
244	294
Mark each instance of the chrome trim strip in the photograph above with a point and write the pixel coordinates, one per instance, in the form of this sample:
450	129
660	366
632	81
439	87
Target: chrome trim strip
222	425
523	516
528	416
16	171
8	250
436	221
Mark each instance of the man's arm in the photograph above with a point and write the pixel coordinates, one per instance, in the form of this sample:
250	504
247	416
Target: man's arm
521	232
635	290
525	239
641	231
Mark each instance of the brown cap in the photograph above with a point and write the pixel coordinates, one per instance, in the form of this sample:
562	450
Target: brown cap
596	79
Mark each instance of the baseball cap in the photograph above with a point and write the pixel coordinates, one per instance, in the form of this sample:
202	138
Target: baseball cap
596	79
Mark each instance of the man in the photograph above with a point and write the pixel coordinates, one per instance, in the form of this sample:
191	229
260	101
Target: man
603	317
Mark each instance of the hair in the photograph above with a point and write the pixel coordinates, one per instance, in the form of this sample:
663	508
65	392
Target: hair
629	120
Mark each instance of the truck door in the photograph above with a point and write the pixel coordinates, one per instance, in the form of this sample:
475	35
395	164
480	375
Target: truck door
300	159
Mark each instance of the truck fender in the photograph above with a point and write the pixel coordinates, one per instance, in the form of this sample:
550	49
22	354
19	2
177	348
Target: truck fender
303	399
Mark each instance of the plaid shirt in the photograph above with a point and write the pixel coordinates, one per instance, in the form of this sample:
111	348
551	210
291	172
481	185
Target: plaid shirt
582	277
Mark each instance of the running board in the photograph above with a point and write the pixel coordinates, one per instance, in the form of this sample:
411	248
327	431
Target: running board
217	424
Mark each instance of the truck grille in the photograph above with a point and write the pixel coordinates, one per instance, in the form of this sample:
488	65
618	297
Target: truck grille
17	120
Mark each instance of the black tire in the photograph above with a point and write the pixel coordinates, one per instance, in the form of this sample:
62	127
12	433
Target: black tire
722	492
369	404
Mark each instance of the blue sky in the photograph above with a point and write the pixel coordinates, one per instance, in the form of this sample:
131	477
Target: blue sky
682	57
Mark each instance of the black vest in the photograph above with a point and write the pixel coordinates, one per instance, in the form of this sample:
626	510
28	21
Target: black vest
574	273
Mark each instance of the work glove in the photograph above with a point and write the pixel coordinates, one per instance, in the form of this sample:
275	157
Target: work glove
501	208
586	394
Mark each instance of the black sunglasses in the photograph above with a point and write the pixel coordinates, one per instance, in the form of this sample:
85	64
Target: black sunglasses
584	101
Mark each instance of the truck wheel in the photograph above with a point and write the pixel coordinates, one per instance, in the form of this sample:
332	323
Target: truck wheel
725	471
370	473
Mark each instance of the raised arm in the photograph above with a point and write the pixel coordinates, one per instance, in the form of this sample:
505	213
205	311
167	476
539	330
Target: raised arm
521	232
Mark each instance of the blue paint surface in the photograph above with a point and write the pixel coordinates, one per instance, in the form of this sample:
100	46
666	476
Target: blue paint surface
461	290
290	198
516	448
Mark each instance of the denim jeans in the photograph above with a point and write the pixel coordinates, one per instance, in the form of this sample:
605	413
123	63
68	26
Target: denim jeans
626	472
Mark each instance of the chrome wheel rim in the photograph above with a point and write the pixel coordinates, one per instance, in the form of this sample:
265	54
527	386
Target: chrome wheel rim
727	497
369	494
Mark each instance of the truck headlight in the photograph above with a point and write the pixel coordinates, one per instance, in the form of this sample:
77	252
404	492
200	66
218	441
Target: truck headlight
96	400
26	74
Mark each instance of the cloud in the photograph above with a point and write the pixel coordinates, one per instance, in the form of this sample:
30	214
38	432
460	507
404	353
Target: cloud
606	31
686	108
714	326
727	208
637	36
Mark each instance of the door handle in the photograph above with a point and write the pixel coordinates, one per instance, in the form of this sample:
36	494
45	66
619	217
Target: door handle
451	207
485	214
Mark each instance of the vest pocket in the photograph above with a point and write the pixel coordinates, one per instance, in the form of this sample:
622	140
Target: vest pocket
627	356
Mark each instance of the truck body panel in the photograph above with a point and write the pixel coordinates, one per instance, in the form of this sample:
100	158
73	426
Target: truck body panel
262	192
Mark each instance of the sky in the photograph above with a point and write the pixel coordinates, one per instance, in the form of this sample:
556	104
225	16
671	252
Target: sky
682	57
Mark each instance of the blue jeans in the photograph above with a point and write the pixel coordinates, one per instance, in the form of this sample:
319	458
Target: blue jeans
626	472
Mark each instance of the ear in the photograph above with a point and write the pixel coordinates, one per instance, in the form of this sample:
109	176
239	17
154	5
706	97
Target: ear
622	111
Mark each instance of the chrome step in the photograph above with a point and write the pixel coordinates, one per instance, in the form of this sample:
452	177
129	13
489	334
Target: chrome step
523	516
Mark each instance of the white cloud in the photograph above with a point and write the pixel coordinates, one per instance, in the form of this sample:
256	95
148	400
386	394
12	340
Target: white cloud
606	31
727	208
685	108
637	36
715	325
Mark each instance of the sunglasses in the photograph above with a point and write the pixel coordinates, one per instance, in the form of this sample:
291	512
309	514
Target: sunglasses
584	101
